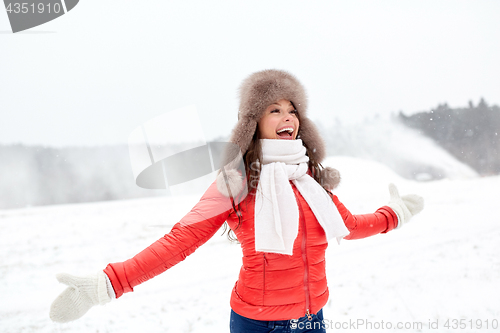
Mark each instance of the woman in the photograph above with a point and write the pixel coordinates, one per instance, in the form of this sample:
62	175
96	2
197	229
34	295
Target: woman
281	211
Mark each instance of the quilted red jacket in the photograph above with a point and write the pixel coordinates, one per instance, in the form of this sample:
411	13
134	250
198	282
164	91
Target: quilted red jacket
270	286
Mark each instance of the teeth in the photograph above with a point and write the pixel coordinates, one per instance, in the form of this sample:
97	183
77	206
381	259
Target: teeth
288	129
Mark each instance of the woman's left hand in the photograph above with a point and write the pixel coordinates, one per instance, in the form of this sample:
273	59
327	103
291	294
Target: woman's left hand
406	206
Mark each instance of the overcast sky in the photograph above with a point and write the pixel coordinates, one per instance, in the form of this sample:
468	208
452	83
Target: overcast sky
95	74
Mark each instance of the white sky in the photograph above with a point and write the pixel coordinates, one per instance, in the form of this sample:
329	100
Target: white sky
95	74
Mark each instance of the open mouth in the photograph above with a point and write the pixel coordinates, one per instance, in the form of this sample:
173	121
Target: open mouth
285	133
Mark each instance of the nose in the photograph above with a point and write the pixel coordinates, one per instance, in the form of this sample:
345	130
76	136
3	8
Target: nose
288	117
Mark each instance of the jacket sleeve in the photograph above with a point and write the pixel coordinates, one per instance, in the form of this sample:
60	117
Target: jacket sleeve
194	229
366	225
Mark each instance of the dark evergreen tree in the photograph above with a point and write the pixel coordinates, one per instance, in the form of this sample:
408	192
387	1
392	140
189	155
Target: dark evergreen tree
470	134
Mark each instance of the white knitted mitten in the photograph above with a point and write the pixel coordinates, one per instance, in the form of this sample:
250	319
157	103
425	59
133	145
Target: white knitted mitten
406	206
82	294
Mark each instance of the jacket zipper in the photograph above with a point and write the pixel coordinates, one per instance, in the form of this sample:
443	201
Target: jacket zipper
306	266
264	278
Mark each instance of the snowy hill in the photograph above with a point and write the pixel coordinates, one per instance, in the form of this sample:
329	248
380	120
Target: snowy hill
443	265
404	150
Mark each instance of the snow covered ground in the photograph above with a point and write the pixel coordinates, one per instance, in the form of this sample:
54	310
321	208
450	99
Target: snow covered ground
443	266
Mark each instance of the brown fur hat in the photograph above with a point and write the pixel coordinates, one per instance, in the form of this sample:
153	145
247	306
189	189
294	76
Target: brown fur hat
264	88
257	92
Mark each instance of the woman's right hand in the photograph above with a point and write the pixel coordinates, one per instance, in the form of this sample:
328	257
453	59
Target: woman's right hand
82	294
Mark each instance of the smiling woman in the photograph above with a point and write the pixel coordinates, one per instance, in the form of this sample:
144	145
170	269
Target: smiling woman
284	224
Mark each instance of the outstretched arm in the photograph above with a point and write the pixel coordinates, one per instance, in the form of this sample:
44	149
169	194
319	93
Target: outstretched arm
366	225
398	211
196	228
185	237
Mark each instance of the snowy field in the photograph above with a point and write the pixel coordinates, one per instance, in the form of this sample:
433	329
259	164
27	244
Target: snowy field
443	266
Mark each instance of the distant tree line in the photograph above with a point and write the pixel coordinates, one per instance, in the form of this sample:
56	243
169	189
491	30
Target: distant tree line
37	175
471	134
405	151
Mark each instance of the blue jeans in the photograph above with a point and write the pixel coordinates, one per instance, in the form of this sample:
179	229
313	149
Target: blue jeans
240	324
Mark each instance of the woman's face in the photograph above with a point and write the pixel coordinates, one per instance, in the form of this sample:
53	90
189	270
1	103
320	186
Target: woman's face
279	121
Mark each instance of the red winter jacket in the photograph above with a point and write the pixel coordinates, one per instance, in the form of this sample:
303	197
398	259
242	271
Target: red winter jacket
270	286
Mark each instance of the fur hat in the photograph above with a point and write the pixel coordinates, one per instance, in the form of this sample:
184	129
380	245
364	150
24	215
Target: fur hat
257	92
264	88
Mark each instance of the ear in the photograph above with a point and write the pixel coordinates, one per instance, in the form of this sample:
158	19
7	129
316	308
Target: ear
330	178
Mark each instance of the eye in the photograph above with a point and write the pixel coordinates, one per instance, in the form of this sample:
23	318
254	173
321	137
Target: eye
294	112
275	110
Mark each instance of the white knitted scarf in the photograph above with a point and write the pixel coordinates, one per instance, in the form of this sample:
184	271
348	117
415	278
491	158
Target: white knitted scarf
276	209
